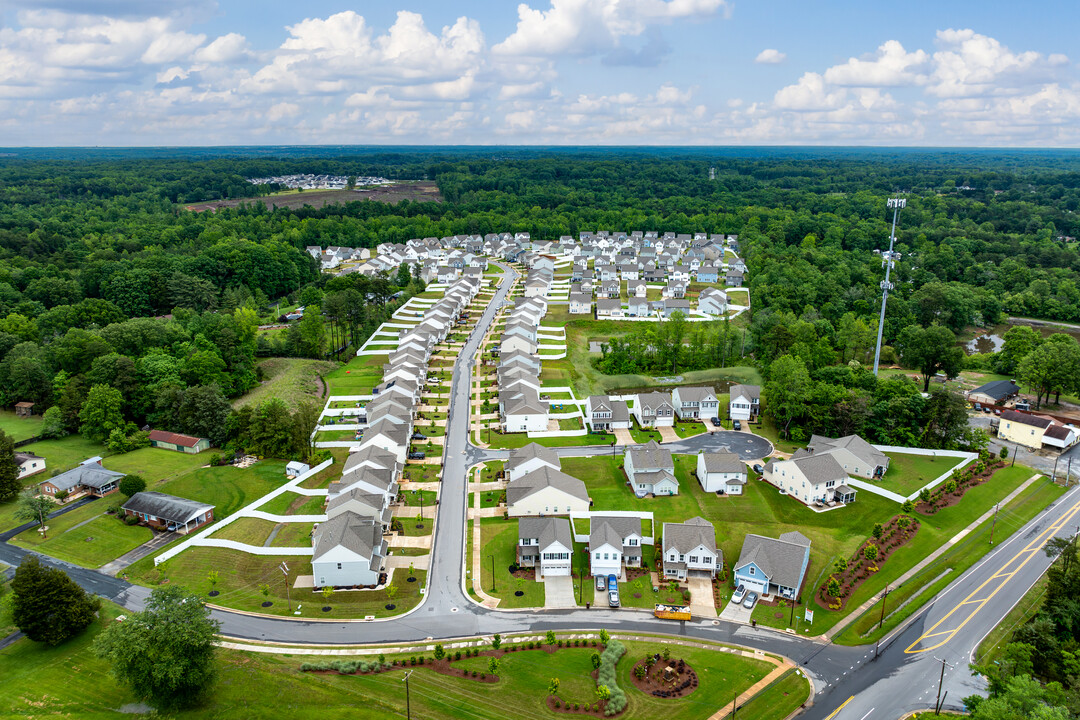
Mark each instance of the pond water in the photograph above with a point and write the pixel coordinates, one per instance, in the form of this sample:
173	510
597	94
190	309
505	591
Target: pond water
993	340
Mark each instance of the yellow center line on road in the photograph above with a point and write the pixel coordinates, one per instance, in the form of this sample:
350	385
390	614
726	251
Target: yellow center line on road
837	710
1005	574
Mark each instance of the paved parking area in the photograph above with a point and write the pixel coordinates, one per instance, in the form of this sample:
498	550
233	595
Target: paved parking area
736	613
559	592
702	602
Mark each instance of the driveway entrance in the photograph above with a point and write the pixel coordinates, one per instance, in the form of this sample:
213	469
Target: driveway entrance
559	591
701	596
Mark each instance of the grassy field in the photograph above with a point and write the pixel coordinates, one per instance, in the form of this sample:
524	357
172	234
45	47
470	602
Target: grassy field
908	473
228	488
64	453
356	377
247	530
763	511
288	503
294	380
69	681
509	441
156	465
18	428
242	574
86	536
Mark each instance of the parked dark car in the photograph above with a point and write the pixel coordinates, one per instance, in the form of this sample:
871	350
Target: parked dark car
736	424
758	468
417	456
716	422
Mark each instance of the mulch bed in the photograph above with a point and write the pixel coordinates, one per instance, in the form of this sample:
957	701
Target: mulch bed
857	571
969	478
587	710
685	679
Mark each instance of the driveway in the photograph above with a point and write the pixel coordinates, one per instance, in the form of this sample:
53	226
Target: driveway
623	437
701	597
559	592
668	434
736	613
149	547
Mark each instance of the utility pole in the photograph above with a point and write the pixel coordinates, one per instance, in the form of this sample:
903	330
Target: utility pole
883	598
888	259
994	523
288	595
1016	449
941	679
794	602
408	706
492	556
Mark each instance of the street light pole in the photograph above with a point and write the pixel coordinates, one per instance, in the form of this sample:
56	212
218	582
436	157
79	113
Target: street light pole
492	556
883	599
288	595
888	259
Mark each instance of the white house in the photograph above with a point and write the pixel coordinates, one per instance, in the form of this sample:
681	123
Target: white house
580	304
690	549
614	541
348	551
29	463
522	410
854	454
545	491
654	410
695	403
651	470
712	301
546	544
744	402
817	479
721	472
524	460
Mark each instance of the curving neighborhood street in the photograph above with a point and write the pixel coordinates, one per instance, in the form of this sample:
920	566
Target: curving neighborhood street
848	681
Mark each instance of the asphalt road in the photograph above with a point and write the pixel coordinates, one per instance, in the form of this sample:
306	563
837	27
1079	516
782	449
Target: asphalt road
850	684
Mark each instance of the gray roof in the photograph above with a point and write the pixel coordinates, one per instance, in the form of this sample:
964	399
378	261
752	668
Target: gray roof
854	444
653	400
723	461
88	475
398	434
684	537
620	411
357	533
541	478
997	389
651	457
370	454
612	530
547	530
167	507
1025	419
696	394
749	391
524	400
361	502
821	468
530	451
780	558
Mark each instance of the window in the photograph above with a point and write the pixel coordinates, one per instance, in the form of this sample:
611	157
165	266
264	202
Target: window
606	556
830	483
682	558
598	556
693	558
750	570
339	566
633	542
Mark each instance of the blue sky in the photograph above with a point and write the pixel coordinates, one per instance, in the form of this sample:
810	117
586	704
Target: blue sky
669	72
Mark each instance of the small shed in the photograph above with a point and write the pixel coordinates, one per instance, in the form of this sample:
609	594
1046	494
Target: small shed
24	409
296	468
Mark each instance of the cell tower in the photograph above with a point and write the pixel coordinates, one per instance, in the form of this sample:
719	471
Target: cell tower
888	259
712	173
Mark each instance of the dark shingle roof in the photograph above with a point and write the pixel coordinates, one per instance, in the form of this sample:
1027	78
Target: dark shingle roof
167	507
356	533
547	530
779	558
1024	419
541	478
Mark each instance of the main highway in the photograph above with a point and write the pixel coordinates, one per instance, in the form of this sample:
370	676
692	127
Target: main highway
849	682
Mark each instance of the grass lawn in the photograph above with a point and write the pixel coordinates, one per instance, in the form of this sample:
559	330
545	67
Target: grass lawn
69	680
250	531
499	441
490	469
289	503
767	429
296	534
241	574
413	497
685	429
907	474
410	527
86	536
156	465
498	538
294	380
228	488
762	510
643	435
64	453
779	699
19	428
356	377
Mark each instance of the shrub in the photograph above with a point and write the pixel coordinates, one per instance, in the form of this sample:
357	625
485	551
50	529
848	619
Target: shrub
870	552
550	637
457	655
908	506
832	587
604	636
131	520
420	661
559	643
595	659
557	704
474	673
496	641
606	676
412	660
878	531
440	653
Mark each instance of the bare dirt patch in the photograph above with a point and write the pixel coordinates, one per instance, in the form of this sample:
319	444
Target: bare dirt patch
418	191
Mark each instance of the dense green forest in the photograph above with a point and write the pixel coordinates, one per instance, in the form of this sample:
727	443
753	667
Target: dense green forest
97	244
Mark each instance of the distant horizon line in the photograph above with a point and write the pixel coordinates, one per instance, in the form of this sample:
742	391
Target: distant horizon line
478	146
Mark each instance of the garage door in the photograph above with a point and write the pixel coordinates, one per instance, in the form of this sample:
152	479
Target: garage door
755	585
556	569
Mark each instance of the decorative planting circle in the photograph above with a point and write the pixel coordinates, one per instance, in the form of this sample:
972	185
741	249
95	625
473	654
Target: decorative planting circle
519	593
411	579
390	606
267	604
326	609
213	593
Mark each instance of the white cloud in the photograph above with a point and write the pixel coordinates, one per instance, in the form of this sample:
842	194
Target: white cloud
282	110
891	66
224	49
770	56
970	64
585	27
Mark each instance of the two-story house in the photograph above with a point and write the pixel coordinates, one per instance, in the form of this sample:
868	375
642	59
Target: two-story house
695	403
690	548
854	454
721	472
546	491
654	409
614	542
651	470
604	413
744	402
545	543
812	479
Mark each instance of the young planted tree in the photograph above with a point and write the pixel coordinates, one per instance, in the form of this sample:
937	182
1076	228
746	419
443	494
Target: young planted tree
553	686
878	531
549	637
493	665
47	605
165	653
832	587
496	641
870	552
